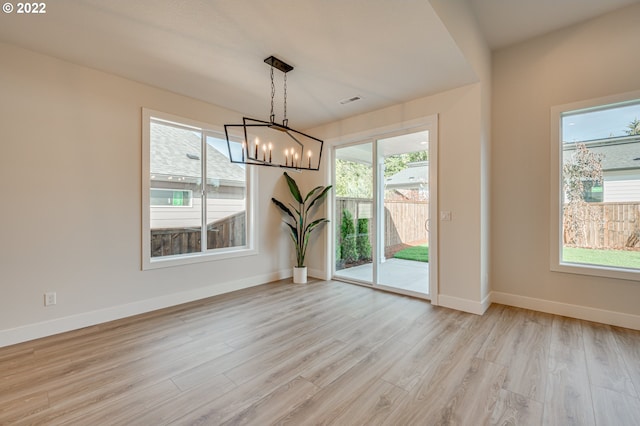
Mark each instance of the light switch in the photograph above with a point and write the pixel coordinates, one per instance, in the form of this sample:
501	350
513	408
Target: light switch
445	216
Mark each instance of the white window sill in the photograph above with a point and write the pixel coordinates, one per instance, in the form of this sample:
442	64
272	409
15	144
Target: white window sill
188	259
597	271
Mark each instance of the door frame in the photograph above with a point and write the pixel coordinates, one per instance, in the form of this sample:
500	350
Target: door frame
429	123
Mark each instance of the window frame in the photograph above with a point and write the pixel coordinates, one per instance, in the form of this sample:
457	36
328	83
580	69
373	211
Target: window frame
208	255
557	194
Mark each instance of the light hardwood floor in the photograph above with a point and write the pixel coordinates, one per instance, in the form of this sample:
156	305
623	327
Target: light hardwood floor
326	353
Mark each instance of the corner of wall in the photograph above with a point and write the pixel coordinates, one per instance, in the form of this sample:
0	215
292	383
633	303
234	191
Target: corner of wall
465	305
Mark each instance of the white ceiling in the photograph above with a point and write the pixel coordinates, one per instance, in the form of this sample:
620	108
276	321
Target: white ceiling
506	22
402	144
384	51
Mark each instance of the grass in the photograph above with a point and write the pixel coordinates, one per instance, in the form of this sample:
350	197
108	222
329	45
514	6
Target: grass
616	258
418	253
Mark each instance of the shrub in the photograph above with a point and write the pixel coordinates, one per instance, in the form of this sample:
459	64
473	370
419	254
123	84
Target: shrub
348	238
362	240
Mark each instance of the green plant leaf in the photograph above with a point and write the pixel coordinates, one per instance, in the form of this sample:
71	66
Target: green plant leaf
284	208
312	191
303	251
297	250
295	209
313	224
293	187
294	231
301	225
319	197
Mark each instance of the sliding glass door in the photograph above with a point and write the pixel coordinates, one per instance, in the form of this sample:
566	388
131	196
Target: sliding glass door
381	235
404	212
354	208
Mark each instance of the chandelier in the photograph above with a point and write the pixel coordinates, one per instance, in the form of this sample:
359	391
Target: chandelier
268	143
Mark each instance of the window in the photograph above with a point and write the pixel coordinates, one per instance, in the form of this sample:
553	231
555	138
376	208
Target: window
593	191
170	198
595	212
196	203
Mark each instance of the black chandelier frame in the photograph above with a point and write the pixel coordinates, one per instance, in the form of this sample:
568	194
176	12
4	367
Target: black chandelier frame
298	157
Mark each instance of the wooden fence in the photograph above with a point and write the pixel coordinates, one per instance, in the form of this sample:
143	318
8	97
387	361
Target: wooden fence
607	226
404	221
227	232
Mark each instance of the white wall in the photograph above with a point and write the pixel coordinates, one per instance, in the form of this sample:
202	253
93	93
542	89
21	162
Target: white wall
63	130
581	62
461	23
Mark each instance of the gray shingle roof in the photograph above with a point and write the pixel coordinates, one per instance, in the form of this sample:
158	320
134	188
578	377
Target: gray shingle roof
413	176
176	152
618	153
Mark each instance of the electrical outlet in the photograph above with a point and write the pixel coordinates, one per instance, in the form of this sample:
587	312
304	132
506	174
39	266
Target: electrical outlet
50	298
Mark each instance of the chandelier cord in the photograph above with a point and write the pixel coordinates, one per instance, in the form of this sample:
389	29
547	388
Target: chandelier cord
273	94
285	99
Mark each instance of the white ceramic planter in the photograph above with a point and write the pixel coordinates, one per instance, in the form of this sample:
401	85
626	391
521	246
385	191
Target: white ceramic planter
299	275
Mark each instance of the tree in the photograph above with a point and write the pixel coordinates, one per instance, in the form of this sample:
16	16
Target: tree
634	128
348	248
362	240
583	168
353	180
396	163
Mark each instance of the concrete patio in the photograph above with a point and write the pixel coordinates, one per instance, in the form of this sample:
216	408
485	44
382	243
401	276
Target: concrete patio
400	274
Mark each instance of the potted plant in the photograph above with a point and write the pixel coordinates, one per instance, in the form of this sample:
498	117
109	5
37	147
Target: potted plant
299	223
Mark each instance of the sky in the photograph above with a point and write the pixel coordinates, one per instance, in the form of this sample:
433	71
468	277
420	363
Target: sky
221	145
599	124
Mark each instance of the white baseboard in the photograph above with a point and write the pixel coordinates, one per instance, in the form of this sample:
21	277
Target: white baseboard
465	305
318	273
60	325
568	310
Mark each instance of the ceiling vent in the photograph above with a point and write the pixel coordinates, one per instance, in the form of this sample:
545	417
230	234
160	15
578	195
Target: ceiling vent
349	100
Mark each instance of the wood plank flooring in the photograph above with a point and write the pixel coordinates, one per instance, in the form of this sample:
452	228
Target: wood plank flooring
325	353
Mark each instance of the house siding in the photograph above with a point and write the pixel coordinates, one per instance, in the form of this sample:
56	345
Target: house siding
189	217
622	186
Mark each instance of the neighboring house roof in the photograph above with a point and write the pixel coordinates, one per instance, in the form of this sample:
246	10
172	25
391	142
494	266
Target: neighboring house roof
416	175
176	153
622	153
